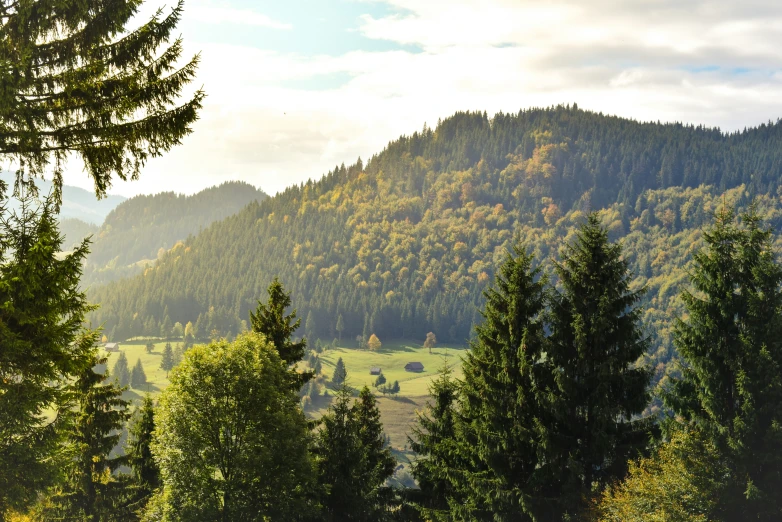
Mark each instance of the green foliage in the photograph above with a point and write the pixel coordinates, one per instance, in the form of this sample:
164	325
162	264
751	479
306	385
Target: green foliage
138	379
146	472
501	415
351	458
731	346
167	360
78	82
270	320
430	341
340	374
230	440
42	345
150	347
682	482
597	390
91	491
121	370
381	379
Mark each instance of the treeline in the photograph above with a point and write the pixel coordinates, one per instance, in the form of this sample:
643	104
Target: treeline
546	424
408	242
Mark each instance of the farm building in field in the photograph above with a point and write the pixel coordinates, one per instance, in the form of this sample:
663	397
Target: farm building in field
111	347
414	367
375	370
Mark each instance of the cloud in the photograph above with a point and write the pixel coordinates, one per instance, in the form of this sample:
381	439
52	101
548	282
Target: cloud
221	15
712	62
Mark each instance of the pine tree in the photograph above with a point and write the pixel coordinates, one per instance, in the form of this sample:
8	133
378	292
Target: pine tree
77	82
395	388
43	347
434	443
380	464
121	370
340	326
166	327
596	388
138	378
309	325
270	320
167	361
381	379
340	374
731	344
91	492
145	471
498	426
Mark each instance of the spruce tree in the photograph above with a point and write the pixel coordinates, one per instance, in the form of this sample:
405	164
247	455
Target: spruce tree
434	443
340	374
79	80
138	378
270	320
92	492
498	426
381	379
43	347
380	464
121	370
731	345
145	470
309	325
167	360
340	326
595	388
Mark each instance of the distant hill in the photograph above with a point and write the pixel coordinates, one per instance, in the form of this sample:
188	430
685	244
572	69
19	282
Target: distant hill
407	243
77	203
142	228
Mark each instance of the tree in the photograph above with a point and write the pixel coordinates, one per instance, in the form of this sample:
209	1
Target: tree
231	440
79	81
104	339
430	341
166	327
309	325
434	443
91	491
189	335
121	370
730	384
381	379
374	343
138	378
318	367
149	347
502	409
146	472
270	320
43	346
351	461
340	373
340	326
167	361
395	388
596	388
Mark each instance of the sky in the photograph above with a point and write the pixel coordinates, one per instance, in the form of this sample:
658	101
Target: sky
296	87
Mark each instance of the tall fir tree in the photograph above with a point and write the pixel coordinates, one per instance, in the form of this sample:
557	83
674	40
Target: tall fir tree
380	462
340	374
498	424
43	346
91	492
138	378
731	345
121	370
434	442
80	80
167	360
596	388
146	472
340	326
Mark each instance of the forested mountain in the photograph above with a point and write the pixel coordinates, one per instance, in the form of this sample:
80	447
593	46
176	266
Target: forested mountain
407	243
139	230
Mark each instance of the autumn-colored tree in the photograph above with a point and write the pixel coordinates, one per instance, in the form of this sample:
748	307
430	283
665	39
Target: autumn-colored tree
430	341
374	343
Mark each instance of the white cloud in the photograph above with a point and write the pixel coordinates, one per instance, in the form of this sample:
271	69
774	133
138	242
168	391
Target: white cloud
218	15
713	62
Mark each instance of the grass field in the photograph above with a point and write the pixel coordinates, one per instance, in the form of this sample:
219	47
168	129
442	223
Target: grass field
156	376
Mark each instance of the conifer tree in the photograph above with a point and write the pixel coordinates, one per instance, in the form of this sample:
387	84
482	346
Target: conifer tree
167	360
121	370
79	80
380	463
270	320
434	443
340	374
596	389
150	347
43	346
498	425
138	378
731	344
340	326
381	379
146	473
91	491
309	325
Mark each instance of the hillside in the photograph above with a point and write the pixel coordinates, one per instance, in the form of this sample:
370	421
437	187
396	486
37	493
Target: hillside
407	243
140	229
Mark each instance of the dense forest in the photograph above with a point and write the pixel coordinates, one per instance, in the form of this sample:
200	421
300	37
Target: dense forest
139	230
406	244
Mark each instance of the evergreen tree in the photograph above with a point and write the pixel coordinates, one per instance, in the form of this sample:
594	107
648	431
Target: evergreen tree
596	389
77	82
138	378
318	368
167	361
121	370
92	492
499	423
166	327
309	325
380	464
146	472
731	344
395	388
434	443
340	326
270	320
43	347
340	374
150	347
381	379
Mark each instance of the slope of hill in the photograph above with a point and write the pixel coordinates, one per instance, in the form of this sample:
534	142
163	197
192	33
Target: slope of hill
139	230
77	203
407	243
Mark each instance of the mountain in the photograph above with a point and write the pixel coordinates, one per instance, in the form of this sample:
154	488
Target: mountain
77	203
142	228
407	243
